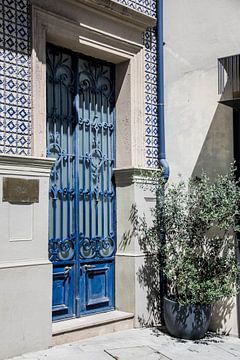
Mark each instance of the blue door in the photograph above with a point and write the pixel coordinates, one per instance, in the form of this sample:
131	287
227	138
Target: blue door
81	137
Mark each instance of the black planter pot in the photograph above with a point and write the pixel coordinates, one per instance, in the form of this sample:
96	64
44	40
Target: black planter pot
186	321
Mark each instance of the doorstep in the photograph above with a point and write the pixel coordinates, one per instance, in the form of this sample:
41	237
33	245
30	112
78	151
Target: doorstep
93	325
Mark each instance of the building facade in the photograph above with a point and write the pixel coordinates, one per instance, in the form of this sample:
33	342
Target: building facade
78	125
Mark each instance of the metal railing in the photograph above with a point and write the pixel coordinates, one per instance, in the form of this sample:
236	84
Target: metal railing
229	74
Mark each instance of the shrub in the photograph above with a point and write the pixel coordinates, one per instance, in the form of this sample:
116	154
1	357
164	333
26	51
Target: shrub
200	219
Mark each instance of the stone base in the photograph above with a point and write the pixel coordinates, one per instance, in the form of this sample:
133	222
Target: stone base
90	326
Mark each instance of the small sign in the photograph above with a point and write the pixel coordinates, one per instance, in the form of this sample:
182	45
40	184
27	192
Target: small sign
20	191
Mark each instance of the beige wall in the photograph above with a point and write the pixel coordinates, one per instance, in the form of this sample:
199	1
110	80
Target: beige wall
199	131
25	272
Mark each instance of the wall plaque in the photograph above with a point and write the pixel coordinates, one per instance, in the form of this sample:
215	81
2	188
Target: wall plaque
20	191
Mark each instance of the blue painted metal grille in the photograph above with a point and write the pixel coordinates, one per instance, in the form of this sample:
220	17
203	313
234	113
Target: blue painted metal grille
81	136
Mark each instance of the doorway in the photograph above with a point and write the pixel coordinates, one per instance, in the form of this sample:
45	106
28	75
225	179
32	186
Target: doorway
82	223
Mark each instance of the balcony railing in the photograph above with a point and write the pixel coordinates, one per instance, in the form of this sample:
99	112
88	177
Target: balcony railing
229	75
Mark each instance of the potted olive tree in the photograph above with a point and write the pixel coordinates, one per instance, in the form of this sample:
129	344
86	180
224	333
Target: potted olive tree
200	219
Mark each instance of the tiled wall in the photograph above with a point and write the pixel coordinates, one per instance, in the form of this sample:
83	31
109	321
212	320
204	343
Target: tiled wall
145	6
151	123
148	7
15	77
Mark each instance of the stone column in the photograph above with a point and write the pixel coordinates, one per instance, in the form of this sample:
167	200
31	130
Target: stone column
25	271
136	278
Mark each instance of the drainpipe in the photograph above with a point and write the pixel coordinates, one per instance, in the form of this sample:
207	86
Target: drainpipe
160	91
163	164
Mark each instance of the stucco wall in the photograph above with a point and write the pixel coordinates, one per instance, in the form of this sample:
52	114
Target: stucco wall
198	129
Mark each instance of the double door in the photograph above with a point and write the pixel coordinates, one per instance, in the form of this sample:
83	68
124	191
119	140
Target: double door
81	137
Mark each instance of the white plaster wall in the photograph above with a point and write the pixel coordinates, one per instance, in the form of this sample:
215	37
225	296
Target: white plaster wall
197	33
199	131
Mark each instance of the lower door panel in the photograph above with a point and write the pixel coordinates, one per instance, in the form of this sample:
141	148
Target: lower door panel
62	306
96	284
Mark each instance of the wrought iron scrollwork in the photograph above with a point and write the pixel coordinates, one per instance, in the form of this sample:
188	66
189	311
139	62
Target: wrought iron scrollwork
94	77
61	193
80	136
97	247
61	249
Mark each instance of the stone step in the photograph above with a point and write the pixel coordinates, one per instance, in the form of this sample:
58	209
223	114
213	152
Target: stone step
89	326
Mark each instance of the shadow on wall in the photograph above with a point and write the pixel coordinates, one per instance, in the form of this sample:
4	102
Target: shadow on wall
215	157
217	151
221	313
148	272
130	234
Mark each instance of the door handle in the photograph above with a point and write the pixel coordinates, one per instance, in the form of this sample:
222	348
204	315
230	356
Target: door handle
66	270
88	266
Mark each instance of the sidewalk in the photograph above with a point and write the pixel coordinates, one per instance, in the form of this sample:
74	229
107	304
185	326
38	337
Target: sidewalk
142	344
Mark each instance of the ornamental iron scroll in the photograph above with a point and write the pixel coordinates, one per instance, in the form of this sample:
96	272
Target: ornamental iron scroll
81	137
97	247
61	249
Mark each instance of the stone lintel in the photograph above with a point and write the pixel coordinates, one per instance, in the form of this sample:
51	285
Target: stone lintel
122	12
129	175
25	165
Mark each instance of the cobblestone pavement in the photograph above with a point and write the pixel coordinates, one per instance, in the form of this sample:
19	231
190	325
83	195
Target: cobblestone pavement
142	344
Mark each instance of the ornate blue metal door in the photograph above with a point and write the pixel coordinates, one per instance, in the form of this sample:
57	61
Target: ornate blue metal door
81	136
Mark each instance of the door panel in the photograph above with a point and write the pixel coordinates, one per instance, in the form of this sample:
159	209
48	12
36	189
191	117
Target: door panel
81	137
96	283
62	290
